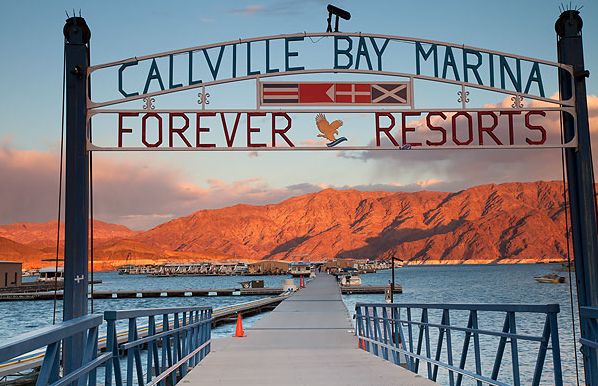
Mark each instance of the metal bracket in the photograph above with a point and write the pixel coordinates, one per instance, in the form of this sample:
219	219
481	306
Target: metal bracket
582	74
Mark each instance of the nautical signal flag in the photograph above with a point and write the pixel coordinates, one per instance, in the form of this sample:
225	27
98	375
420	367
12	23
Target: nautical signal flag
339	93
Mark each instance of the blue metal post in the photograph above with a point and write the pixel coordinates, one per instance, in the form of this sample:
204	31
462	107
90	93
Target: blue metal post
580	175
76	53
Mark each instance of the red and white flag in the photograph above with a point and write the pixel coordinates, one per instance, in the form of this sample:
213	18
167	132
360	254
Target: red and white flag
337	93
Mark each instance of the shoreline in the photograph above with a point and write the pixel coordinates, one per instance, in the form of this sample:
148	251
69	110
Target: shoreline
410	263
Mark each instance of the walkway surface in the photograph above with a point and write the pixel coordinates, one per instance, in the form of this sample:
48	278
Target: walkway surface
307	340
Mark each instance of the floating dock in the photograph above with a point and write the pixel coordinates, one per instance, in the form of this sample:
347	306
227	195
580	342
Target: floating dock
131	294
307	340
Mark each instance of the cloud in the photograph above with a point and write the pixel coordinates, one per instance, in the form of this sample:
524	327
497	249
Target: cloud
277	8
127	191
313	142
249	9
453	170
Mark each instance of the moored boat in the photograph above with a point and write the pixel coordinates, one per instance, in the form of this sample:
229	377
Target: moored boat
550	278
51	274
300	269
350	280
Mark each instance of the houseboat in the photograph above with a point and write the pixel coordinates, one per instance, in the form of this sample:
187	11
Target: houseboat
51	274
300	269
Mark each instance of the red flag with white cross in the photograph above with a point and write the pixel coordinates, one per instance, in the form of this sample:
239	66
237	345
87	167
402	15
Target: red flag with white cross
335	93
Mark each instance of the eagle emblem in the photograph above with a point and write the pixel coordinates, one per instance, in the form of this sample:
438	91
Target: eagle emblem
329	130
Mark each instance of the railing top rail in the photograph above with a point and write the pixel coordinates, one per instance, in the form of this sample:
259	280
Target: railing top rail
140	312
532	308
589	312
29	341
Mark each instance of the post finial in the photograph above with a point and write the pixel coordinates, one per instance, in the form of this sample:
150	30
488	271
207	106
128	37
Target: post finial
76	30
569	23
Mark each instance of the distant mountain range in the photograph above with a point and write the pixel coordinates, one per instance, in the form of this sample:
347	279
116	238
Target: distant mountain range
505	223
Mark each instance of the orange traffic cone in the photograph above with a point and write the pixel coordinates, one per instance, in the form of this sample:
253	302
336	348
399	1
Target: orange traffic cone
301	282
239	333
361	344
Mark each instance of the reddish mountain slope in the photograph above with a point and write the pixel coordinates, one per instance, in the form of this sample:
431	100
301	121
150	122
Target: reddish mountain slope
13	251
513	222
43	235
32	243
489	223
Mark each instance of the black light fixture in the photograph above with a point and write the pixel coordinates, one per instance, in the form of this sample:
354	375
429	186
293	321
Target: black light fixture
332	10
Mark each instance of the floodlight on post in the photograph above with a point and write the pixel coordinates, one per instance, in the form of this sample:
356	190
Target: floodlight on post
332	10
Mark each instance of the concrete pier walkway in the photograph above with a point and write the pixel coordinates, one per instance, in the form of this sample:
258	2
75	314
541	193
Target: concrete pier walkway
307	340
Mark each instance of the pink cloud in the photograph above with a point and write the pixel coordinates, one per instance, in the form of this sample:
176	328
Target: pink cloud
313	142
459	169
125	191
250	9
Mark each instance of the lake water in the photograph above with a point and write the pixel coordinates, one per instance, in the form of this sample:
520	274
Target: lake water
421	284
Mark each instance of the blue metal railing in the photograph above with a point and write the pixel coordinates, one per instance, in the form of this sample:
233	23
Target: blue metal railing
177	342
403	334
589	319
52	338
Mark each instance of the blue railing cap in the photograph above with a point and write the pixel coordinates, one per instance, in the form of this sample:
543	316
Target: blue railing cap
534	308
29	341
139	312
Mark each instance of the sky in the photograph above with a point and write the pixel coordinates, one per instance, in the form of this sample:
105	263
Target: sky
143	189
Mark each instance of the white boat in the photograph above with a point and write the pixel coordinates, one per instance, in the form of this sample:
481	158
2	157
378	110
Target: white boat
350	280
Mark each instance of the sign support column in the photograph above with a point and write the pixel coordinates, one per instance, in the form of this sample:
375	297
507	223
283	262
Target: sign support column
76	51
580	178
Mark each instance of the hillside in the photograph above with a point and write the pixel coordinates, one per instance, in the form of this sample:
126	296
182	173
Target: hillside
506	223
513	222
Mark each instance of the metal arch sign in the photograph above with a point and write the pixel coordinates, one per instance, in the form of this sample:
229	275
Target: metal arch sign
396	121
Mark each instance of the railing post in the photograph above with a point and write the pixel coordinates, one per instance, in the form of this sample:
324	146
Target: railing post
449	347
501	348
410	333
90	352
439	344
151	330
425	320
114	362
358	322
465	350
50	366
556	350
399	339
130	359
476	344
514	349
377	333
209	330
385	326
367	328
